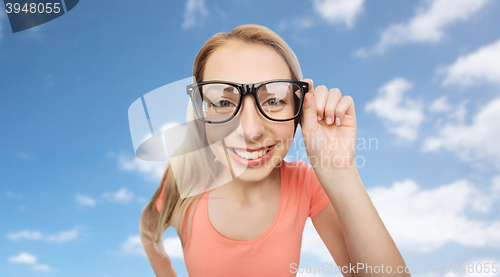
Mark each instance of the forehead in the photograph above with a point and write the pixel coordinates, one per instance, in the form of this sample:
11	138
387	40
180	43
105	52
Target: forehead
245	63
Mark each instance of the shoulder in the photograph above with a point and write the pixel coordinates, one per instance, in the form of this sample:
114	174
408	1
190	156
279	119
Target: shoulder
297	167
299	174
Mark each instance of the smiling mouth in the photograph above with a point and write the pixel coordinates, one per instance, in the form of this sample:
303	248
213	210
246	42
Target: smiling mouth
251	155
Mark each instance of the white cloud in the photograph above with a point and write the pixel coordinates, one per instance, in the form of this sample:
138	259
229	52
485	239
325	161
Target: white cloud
313	245
133	245
42	267
153	171
426	219
64	236
297	23
441	104
37	235
475	142
31	235
26	258
428	25
23	258
480	66
84	201
496	185
339	11
25	156
460	112
121	196
401	114
13	195
335	12
172	245
448	112
195	13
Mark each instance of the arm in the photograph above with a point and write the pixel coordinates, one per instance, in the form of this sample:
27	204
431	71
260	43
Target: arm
328	227
330	149
162	266
366	239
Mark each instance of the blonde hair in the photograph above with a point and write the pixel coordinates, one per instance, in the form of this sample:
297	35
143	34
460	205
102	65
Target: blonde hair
194	168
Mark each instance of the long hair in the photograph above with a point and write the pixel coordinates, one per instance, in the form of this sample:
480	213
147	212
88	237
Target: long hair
194	169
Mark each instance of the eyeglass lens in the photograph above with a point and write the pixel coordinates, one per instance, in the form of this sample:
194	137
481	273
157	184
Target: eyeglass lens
218	102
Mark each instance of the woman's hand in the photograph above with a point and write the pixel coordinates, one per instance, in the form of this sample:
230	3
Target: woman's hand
329	129
330	149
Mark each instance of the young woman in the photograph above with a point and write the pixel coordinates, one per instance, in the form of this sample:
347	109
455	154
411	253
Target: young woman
243	213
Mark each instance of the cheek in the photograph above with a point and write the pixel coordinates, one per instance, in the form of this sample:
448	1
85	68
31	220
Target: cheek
284	136
285	131
218	151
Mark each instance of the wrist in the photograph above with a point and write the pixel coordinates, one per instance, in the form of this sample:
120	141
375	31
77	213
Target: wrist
335	175
327	160
336	164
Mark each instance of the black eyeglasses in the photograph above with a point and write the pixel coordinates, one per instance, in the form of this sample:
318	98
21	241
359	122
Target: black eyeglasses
219	101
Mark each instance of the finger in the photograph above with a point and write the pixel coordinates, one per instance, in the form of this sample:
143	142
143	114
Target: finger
334	96
321	95
309	114
346	105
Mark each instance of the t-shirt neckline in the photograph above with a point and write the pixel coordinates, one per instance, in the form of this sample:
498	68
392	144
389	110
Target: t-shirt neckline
266	233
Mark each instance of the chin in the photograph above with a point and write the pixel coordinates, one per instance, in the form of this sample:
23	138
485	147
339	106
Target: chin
256	173
253	174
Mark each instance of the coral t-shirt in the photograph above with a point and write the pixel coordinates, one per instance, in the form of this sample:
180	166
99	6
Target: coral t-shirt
210	254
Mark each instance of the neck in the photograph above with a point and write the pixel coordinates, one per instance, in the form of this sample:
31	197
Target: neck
248	191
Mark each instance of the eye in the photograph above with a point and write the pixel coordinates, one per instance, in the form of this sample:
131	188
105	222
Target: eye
222	104
274	102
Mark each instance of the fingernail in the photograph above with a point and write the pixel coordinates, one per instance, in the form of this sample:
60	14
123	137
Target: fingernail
319	118
329	121
337	121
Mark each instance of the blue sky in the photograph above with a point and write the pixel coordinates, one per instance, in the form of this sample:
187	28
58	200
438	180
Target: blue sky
424	76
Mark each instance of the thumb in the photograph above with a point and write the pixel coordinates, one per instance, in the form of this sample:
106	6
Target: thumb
309	114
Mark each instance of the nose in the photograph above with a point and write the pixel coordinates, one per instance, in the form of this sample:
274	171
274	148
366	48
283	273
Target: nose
251	119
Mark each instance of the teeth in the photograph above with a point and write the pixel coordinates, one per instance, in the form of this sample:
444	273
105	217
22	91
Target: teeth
251	155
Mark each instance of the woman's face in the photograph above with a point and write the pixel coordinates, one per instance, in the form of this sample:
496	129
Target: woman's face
247	63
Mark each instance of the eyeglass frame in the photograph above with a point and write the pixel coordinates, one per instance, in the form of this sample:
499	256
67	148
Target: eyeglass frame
245	89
